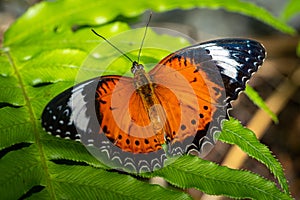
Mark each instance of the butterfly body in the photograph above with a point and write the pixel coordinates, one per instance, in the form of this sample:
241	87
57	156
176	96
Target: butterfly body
180	103
145	89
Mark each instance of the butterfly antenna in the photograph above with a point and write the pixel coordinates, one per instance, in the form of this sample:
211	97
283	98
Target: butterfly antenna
111	44
142	43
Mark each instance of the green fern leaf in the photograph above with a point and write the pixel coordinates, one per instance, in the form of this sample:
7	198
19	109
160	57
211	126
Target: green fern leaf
234	133
255	98
192	172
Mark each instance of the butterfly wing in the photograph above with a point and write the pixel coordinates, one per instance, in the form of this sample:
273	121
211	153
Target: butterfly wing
236	60
108	117
211	74
194	86
68	113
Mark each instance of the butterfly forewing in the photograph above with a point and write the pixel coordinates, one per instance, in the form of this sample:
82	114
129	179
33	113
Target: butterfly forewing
237	60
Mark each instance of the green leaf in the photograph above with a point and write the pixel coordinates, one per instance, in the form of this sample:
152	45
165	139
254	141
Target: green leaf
71	182
255	98
58	150
234	133
77	182
193	172
102	12
20	170
291	9
14	121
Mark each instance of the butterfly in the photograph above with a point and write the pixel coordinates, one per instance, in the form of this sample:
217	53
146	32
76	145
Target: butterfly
137	123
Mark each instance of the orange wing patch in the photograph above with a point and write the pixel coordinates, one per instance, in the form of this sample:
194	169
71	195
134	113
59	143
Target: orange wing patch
123	117
197	96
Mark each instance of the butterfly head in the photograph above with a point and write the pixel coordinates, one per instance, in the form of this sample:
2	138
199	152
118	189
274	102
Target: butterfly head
136	67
